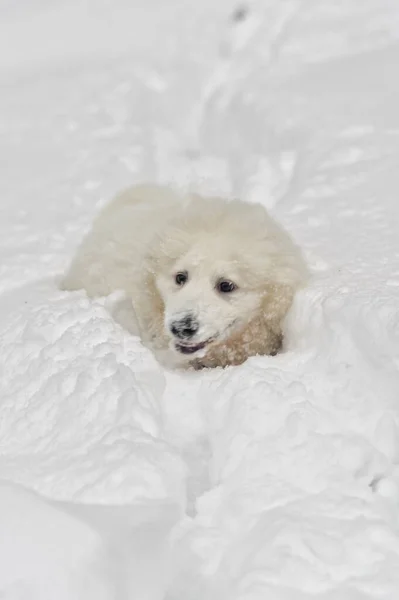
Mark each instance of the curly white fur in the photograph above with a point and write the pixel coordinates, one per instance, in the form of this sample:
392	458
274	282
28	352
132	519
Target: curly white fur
149	233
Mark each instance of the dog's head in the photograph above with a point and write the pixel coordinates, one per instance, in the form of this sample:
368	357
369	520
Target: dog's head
214	270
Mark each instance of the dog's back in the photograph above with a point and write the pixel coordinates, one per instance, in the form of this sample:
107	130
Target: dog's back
111	255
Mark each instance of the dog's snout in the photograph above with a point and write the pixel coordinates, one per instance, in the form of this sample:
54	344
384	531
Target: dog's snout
184	328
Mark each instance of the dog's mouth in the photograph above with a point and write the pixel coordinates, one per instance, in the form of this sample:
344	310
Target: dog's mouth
191	348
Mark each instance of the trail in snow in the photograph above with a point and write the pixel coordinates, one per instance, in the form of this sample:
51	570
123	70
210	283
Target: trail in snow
275	479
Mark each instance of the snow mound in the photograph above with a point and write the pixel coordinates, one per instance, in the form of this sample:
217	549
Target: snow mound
85	552
72	403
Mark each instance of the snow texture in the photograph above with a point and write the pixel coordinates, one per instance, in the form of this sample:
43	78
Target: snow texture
277	479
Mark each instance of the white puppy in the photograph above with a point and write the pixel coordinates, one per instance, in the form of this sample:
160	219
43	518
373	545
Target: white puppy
210	280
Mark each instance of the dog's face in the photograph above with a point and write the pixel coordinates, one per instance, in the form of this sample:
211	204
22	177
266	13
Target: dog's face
215	270
206	297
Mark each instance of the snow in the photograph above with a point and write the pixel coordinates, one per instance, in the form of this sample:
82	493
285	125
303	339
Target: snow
51	550
278	479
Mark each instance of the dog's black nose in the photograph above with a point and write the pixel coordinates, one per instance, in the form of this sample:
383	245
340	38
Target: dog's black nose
184	328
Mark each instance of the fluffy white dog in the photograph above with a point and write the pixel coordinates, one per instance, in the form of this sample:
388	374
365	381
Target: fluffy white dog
209	280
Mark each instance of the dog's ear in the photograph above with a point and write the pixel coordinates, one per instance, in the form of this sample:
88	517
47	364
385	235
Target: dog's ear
149	307
276	302
286	274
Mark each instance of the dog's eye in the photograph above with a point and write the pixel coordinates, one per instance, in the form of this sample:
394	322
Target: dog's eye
226	287
181	278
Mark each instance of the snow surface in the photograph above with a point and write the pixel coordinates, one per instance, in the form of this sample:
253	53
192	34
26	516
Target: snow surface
278	479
